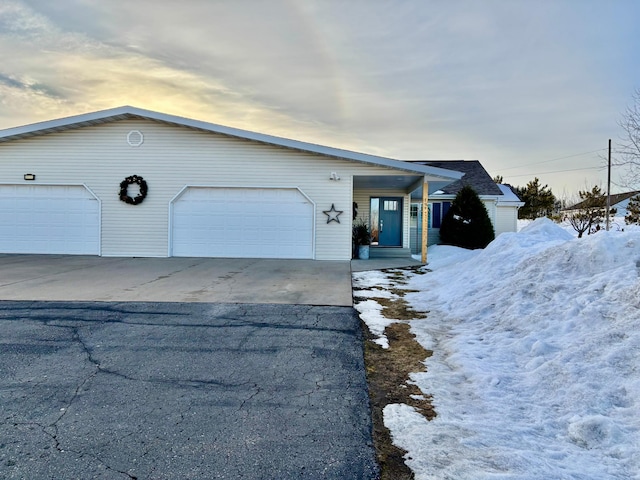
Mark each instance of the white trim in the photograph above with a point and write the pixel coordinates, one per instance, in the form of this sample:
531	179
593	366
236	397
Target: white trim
252	187
128	112
509	199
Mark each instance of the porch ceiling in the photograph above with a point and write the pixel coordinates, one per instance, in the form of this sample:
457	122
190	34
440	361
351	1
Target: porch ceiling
398	182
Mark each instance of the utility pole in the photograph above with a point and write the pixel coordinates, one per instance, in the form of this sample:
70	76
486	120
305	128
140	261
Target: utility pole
609	186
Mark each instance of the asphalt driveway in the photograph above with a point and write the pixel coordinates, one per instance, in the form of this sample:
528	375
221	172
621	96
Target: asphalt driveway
110	390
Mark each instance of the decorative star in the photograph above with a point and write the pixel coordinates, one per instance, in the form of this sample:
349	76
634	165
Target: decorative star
333	214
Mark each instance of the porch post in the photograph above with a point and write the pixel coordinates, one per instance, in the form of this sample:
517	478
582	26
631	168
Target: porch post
425	219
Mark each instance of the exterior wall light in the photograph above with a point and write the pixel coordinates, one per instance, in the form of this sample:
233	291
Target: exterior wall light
29	176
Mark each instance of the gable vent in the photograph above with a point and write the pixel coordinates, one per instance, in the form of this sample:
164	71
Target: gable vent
135	138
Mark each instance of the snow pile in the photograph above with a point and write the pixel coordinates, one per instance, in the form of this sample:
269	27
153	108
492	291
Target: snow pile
536	365
370	310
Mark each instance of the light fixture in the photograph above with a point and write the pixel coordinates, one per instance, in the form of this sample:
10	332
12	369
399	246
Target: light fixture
334	176
29	176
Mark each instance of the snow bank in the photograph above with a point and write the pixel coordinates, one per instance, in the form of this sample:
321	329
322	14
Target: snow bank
536	365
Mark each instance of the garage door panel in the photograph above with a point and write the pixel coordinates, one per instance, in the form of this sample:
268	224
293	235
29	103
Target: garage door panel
228	222
48	219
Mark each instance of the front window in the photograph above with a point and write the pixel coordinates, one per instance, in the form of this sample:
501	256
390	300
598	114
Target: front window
391	205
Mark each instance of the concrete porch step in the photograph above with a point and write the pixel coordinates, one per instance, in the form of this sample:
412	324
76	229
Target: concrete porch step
389	252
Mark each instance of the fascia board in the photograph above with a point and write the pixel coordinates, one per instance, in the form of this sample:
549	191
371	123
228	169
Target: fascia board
299	145
104	115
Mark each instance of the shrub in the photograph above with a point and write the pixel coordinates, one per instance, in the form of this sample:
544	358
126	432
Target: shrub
467	223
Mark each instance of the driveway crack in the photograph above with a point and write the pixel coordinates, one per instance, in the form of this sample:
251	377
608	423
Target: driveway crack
250	397
52	431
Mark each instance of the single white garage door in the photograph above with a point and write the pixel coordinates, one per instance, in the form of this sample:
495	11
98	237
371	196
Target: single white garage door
49	219
242	222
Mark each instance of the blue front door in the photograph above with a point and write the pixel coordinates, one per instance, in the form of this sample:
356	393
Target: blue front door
390	222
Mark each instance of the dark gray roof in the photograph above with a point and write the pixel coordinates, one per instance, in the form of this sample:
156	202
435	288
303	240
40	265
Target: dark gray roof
602	201
475	176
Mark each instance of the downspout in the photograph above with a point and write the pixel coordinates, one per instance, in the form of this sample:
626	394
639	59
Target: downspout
425	219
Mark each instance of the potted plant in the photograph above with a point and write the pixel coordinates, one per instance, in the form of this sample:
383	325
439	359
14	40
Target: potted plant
362	238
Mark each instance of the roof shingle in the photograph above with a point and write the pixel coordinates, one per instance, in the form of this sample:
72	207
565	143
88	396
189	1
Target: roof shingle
475	176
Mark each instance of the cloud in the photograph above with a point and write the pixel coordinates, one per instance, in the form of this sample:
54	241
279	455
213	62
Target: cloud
10	82
497	81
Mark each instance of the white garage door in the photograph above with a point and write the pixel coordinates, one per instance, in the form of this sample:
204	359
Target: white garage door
242	222
49	219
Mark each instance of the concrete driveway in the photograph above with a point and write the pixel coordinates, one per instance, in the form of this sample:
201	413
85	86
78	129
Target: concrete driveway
89	278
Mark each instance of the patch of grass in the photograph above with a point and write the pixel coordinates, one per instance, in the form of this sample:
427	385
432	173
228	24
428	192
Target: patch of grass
388	375
398	309
388	371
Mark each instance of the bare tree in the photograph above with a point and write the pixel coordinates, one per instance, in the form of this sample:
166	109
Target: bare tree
628	151
588	215
580	221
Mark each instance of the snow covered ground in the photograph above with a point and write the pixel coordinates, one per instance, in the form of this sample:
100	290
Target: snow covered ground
536	365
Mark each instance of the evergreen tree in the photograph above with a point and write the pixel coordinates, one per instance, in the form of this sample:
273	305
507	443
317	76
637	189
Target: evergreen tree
467	223
633	211
538	200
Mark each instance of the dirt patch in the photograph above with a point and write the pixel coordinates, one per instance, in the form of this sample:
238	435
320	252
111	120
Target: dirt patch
388	372
398	309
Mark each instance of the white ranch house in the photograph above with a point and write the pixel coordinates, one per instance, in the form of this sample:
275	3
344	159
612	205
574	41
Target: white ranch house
213	191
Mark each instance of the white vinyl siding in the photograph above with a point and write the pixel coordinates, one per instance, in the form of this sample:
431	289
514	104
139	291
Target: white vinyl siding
172	157
506	220
49	219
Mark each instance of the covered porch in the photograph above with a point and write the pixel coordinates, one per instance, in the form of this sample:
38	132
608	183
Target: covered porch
384	203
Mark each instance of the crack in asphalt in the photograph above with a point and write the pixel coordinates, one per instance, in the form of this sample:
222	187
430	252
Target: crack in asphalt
58	443
186	409
52	431
48	320
257	392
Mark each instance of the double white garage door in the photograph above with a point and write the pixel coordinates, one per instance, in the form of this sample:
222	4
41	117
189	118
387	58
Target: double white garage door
242	222
205	222
49	219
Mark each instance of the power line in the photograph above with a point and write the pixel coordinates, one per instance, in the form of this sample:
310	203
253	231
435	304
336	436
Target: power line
557	171
553	160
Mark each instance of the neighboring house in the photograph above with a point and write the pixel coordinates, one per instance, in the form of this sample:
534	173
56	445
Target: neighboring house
501	202
206	190
619	201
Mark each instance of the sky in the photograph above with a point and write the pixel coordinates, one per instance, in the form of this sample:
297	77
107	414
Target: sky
535	372
529	88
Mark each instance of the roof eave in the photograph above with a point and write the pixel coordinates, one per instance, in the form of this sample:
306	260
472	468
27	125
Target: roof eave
128	111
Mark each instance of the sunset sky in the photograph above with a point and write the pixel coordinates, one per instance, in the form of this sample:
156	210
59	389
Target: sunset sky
529	88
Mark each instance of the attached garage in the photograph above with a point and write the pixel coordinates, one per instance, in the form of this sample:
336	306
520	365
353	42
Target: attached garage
242	222
128	182
49	219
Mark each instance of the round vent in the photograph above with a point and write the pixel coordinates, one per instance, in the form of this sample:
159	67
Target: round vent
135	138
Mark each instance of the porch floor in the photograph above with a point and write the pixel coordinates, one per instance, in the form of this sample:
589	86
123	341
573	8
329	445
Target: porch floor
383	263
